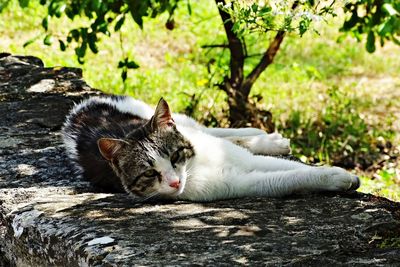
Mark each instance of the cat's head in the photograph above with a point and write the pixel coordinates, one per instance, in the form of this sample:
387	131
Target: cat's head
153	159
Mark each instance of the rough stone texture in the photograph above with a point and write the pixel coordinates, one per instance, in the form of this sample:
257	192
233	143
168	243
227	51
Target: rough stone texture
50	217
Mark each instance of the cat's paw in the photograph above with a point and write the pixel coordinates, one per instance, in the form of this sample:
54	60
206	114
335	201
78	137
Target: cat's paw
270	144
338	179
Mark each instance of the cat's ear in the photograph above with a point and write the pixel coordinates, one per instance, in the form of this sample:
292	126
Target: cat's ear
109	147
162	116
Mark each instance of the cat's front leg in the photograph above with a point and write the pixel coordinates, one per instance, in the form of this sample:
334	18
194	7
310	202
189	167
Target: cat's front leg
336	179
263	144
317	179
283	183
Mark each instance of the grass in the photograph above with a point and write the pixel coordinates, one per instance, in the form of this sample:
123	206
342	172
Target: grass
297	88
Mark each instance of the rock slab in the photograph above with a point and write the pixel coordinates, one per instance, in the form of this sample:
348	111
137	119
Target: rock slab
51	217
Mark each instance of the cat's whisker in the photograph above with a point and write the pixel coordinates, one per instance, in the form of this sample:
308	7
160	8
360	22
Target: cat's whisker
150	196
188	176
189	172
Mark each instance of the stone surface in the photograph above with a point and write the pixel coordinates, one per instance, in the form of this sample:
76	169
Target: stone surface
51	217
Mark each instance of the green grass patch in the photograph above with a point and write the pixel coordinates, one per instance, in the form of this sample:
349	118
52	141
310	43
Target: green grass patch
393	242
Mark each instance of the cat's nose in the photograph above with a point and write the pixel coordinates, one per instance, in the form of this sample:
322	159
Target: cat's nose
174	184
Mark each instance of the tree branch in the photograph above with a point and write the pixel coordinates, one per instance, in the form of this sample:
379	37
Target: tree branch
265	61
235	47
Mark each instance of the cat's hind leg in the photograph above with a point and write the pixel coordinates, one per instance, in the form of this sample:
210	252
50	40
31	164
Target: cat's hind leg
225	132
263	144
255	140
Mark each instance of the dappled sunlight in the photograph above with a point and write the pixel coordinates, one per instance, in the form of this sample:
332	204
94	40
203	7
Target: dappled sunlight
292	220
26	169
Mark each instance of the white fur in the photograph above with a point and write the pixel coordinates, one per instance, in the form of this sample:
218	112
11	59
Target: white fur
125	104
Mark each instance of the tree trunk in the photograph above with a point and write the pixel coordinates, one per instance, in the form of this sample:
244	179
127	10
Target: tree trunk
238	108
243	112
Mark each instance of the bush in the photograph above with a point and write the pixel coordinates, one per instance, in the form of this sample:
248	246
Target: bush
338	135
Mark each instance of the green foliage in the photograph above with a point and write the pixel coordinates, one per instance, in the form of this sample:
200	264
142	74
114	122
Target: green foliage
393	242
288	16
101	16
378	19
384	183
338	135
4	4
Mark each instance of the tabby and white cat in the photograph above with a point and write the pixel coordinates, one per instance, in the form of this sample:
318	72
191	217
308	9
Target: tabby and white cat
122	144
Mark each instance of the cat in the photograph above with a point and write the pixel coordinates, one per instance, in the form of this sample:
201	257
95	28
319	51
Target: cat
121	144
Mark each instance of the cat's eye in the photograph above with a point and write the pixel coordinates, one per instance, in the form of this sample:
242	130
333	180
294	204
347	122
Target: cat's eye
150	173
175	157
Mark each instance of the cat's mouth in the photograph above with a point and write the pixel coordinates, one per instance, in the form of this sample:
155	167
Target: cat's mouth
177	191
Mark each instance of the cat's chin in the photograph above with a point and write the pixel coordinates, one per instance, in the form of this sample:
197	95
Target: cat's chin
174	194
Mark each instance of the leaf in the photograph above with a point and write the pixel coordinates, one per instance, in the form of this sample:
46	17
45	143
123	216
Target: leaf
121	64
347	25
138	10
45	23
189	7
119	23
96	4
23	3
80	60
236	27
70	13
60	9
385	28
382	41
390	9
132	64
92	39
124	74
103	27
63	47
81	51
264	10
29	42
395	40
75	34
370	45
254	7
303	26
48	40
4	4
